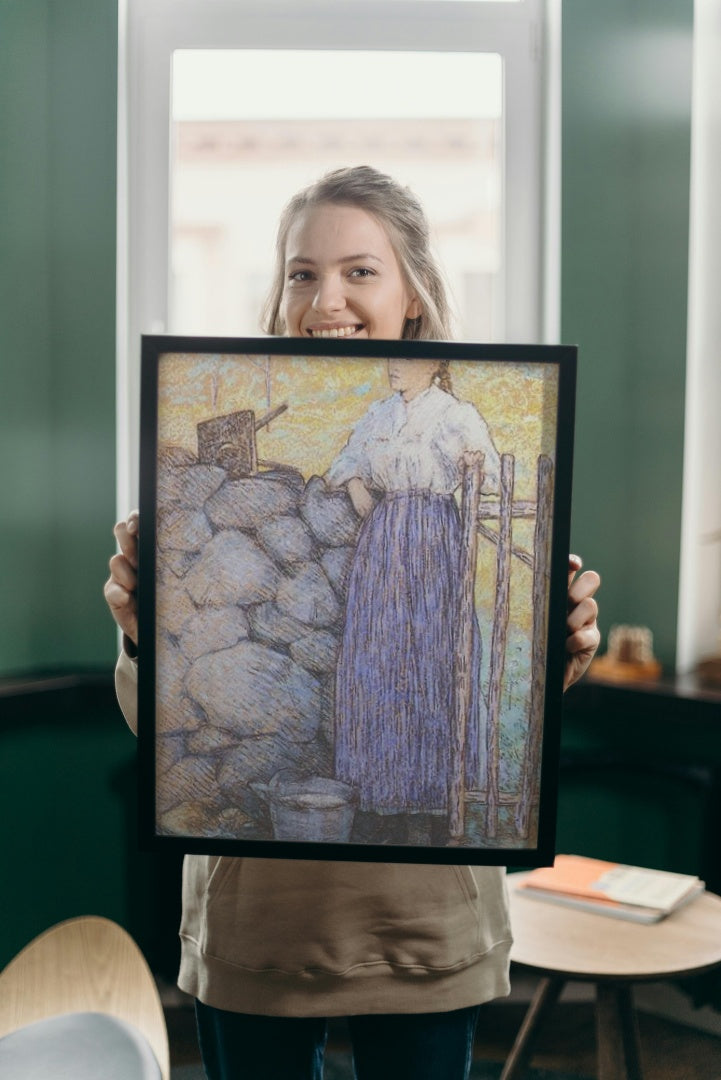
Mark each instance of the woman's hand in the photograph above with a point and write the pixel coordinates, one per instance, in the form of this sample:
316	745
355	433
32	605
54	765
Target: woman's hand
583	635
121	587
360	496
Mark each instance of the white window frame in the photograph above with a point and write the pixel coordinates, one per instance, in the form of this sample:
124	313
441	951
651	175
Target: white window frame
526	34
699	599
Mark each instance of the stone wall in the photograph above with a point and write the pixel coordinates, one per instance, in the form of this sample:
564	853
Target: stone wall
251	577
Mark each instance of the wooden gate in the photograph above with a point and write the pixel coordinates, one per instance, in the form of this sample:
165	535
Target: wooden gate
475	516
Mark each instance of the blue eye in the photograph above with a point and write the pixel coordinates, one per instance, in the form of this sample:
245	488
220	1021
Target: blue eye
300	275
362	272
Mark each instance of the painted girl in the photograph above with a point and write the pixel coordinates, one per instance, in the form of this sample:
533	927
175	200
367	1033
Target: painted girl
395	678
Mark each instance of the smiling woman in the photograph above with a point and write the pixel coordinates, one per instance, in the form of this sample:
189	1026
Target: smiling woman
295	941
353	259
339	262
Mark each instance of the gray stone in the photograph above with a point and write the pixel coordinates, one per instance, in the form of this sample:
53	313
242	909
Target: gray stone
329	514
196	817
288	474
173	604
271	626
169	749
192	778
255	761
316	652
209	740
253	690
177	714
213	629
247	504
171	666
188	485
231	822
231	570
176	563
286	539
174	711
173	456
337	563
182	530
308	597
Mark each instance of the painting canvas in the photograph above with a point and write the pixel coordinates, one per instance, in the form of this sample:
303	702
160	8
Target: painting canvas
352	597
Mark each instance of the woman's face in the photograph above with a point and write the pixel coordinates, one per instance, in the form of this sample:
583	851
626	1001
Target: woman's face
342	277
411	377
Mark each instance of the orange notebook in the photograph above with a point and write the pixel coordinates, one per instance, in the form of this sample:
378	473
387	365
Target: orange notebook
631	892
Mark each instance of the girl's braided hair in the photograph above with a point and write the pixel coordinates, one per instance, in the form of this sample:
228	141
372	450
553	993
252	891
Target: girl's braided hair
442	377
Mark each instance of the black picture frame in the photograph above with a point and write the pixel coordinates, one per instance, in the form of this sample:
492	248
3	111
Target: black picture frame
270	657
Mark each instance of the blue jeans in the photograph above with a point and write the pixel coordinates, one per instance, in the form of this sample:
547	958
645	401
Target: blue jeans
413	1046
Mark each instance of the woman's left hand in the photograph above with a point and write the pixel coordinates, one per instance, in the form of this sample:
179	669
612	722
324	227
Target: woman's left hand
582	633
360	496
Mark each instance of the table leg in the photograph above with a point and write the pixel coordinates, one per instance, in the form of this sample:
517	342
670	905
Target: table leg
617	1033
545	997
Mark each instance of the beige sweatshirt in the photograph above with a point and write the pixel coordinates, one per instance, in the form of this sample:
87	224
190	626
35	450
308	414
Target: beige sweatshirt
286	937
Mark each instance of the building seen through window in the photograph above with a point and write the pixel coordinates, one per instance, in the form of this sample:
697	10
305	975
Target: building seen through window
231	175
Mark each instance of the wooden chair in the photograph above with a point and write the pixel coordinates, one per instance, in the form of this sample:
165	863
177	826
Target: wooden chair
72	980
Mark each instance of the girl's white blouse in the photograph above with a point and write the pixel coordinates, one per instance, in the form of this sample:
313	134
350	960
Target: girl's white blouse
416	445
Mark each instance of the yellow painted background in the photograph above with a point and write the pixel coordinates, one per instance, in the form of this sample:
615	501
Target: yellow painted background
326	396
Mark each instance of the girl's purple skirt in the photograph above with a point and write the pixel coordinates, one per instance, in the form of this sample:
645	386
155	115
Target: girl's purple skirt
395	678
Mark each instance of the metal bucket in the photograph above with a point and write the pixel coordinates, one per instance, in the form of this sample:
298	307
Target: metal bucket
310	808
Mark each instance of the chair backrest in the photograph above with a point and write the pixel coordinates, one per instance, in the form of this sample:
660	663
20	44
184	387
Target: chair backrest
87	964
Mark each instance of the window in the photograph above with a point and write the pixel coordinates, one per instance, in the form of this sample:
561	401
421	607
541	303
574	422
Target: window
231	104
699	623
236	160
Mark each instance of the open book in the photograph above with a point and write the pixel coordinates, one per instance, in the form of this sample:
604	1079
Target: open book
608	888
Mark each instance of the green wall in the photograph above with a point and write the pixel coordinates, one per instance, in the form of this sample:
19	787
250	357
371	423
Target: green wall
625	200
626	136
58	73
626	126
67	770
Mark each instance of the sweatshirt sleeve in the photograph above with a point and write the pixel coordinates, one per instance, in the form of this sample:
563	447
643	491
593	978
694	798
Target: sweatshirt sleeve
126	688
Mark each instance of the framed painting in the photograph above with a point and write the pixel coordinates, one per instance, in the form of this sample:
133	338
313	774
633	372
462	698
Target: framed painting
352	597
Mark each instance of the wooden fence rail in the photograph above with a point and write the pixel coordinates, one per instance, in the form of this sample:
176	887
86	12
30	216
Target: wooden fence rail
524	799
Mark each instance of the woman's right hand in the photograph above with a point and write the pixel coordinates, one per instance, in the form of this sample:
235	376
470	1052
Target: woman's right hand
121	587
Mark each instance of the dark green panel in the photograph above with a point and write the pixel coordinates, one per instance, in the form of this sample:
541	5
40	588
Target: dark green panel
26	482
640	820
82	303
641	778
68	798
626	145
64	786
58	75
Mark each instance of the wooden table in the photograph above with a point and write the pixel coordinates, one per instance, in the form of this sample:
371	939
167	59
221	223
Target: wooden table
563	944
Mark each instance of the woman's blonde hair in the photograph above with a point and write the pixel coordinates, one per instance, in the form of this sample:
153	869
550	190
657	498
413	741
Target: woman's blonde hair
403	217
